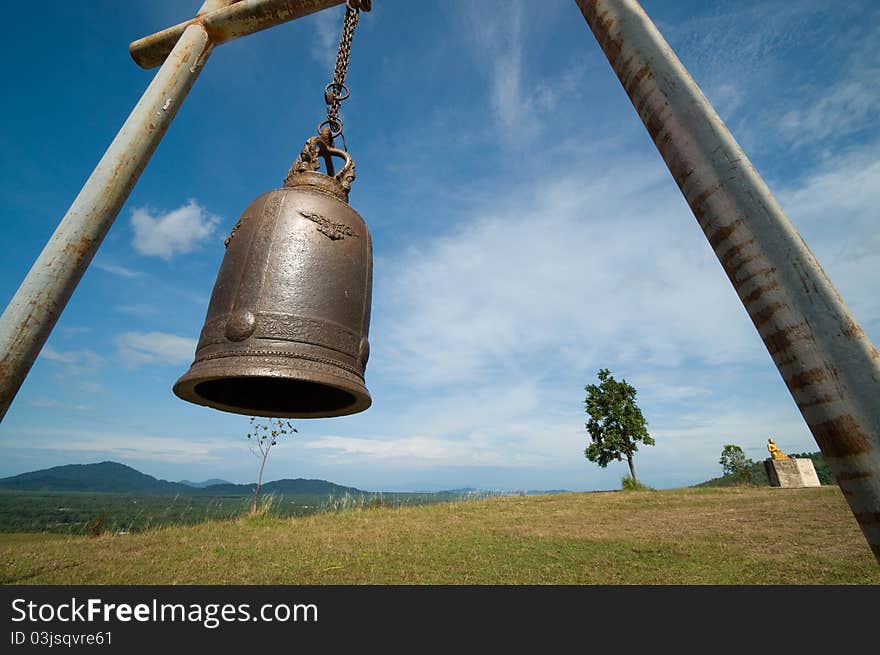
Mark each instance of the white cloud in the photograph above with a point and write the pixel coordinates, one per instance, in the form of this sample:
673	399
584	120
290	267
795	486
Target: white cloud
692	444
835	209
507	84
115	269
847	107
493	425
137	309
496	323
410	449
593	268
740	41
845	190
78	359
52	403
326	29
551	443
136	348
178	231
531	445
518	103
71	365
75	329
743	54
658	387
48	352
125	447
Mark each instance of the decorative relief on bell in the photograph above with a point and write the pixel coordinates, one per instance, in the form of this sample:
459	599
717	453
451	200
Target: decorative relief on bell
331	229
232	233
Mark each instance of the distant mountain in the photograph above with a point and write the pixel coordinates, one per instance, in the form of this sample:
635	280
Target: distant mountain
105	476
206	483
297	487
119	478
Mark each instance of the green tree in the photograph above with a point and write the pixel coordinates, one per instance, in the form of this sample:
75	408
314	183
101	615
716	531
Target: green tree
616	424
265	433
734	462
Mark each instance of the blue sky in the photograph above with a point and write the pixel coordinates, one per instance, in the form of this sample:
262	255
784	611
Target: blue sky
526	233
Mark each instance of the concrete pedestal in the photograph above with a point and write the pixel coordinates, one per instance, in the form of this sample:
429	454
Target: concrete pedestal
792	473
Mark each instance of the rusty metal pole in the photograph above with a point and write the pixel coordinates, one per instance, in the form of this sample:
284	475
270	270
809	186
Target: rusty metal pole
34	309
828	363
241	18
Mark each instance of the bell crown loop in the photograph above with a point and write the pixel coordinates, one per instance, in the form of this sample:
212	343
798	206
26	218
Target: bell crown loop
304	171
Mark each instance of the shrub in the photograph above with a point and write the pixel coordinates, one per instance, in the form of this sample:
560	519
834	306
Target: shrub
96	525
628	484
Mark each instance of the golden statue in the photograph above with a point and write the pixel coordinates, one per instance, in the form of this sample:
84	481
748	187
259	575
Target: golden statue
775	453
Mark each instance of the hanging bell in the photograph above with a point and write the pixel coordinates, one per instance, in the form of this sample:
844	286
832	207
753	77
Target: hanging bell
287	325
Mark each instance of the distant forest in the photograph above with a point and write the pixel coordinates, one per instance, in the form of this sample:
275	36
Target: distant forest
759	473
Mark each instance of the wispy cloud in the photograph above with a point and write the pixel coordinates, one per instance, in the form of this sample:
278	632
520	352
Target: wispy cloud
52	403
115	269
847	107
73	368
686	447
137	309
326	29
126	447
535	443
137	348
732	49
658	387
849	104
414	449
73	358
693	442
742	55
165	234
599	266
835	208
518	101
512	309
53	355
70	330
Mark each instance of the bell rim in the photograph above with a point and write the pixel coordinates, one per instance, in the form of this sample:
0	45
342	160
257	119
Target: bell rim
208	371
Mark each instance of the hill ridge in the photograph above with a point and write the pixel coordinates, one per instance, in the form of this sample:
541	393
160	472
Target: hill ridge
110	476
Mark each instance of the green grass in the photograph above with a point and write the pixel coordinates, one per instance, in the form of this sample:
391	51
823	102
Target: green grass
681	536
69	512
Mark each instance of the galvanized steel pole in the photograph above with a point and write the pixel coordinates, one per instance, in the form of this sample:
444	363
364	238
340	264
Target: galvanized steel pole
829	365
34	309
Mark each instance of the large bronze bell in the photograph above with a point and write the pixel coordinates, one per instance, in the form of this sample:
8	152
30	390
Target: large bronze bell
286	329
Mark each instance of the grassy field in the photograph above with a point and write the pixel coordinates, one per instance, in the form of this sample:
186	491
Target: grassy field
70	512
681	536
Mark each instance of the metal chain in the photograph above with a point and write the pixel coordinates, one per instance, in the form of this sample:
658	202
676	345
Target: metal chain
336	91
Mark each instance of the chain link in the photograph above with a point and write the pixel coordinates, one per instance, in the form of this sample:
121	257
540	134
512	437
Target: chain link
336	91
